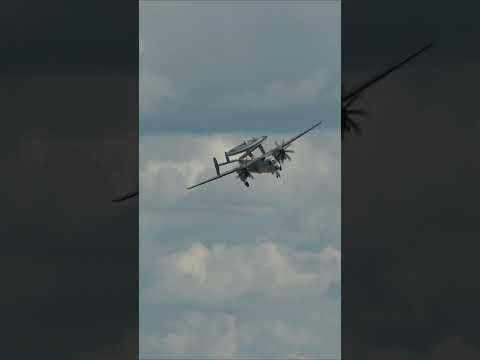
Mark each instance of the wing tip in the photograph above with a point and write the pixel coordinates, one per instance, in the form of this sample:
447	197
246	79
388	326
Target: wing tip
125	197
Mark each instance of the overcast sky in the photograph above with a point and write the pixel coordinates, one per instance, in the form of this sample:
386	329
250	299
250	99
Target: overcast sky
228	271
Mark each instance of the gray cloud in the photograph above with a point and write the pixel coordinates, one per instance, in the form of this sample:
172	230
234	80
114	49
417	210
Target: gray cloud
254	55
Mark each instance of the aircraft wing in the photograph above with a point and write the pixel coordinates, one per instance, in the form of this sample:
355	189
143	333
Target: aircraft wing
383	74
217	177
283	145
125	197
263	156
299	135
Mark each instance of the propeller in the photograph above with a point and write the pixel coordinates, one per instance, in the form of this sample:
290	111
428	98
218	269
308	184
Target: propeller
347	99
348	123
282	154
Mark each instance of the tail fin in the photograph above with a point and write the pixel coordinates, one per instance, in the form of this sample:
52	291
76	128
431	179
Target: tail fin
217	168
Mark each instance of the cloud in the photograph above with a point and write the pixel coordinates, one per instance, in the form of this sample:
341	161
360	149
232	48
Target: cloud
225	336
211	337
202	65
228	271
223	273
267	256
280	94
170	163
155	88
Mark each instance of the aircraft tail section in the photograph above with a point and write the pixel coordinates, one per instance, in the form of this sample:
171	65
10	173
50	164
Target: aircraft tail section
217	168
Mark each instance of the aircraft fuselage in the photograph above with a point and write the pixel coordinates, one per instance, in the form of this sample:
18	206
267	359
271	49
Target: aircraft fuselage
264	166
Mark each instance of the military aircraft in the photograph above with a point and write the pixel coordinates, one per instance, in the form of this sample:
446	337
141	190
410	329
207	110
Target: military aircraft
349	98
268	162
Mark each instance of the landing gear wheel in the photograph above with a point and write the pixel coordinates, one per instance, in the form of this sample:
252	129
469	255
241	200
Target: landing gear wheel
247	184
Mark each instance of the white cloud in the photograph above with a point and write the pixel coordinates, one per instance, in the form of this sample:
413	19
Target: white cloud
198	335
194	262
170	163
219	273
253	264
225	336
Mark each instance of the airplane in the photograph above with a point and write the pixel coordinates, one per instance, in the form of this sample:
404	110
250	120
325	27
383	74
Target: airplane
349	98
269	162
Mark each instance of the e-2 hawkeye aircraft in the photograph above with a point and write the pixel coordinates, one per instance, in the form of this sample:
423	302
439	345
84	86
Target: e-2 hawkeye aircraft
269	162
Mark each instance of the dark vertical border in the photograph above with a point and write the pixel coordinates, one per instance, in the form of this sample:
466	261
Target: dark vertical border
410	183
69	113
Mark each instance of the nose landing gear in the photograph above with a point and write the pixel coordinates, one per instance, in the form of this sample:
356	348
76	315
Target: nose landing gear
246	184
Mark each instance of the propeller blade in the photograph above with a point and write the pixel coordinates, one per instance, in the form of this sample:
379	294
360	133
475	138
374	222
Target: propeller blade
348	123
289	151
356	128
288	157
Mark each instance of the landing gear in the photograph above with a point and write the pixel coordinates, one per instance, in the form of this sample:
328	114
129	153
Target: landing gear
277	175
243	175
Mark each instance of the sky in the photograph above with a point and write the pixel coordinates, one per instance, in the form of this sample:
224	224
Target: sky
228	271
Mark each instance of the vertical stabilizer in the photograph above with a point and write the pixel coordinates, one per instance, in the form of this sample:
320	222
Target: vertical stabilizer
217	168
